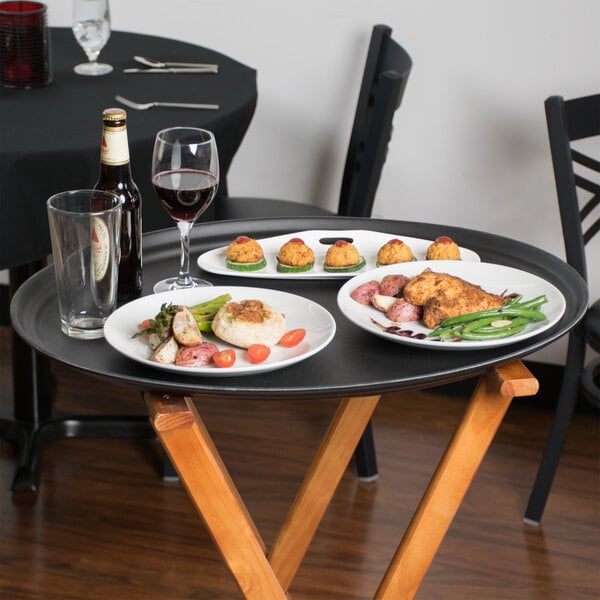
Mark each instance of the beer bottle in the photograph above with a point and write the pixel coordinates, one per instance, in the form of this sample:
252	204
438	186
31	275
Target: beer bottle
115	177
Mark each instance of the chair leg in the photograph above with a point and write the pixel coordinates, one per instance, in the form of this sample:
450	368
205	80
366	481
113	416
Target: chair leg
365	456
560	426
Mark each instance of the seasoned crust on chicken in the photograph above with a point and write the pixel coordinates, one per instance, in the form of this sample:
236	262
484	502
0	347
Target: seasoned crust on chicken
443	296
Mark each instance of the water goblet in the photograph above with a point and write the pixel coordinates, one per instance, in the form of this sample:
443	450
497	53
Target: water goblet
91	28
185	177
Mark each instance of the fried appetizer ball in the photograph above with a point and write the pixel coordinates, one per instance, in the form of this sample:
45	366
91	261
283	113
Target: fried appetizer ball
295	257
343	257
245	254
249	322
394	251
444	248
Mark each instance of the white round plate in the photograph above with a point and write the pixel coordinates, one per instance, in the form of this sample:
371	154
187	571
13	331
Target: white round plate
496	279
299	312
366	242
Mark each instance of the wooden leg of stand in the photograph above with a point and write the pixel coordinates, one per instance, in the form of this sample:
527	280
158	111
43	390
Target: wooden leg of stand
452	478
216	498
322	479
192	452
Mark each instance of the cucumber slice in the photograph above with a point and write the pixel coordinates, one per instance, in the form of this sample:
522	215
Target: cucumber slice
253	266
398	263
290	269
349	269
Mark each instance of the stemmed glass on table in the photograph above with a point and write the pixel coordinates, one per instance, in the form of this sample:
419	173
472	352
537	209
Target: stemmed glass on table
185	177
91	28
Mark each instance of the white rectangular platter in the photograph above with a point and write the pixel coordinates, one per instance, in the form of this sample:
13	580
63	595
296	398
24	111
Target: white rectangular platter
366	242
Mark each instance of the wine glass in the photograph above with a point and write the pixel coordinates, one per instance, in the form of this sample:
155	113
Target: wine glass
91	28
185	177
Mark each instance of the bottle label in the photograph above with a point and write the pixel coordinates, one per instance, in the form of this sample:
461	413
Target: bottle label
100	248
114	149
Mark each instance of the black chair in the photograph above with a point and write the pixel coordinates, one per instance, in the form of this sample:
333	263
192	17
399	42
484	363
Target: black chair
385	75
569	121
384	80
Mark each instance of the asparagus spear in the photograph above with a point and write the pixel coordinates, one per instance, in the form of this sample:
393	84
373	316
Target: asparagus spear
203	315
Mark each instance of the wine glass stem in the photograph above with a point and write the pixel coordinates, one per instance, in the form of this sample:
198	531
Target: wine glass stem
184	278
92	55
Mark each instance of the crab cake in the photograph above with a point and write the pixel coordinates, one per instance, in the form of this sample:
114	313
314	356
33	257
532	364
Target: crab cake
444	248
249	322
394	251
245	254
295	257
343	257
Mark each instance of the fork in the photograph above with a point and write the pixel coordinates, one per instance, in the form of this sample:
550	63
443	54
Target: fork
147	105
149	62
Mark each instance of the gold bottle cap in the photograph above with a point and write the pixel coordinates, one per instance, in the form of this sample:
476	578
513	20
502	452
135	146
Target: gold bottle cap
114	114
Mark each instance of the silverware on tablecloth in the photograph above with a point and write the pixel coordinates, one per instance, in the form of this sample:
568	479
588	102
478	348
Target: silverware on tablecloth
147	105
175	70
149	62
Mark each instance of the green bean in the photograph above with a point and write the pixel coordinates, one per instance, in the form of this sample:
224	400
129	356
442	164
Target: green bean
479	325
509	311
501	333
534	302
491	328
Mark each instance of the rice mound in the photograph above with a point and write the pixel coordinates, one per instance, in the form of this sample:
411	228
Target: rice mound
249	322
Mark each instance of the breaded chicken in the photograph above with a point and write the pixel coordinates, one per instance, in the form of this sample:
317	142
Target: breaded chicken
443	296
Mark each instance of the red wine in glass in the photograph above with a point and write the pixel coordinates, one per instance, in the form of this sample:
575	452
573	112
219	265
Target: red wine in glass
185	193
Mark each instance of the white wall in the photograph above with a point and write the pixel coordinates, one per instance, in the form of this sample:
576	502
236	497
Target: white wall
470	145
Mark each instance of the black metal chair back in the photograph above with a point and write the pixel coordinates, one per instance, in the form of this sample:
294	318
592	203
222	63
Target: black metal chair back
578	195
386	72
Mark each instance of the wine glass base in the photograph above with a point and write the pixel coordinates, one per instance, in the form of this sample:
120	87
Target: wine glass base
92	68
171	284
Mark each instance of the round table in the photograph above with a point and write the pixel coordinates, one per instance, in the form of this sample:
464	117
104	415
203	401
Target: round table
356	368
50	136
373	365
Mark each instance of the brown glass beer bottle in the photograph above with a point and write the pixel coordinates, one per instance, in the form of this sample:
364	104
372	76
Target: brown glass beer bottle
115	177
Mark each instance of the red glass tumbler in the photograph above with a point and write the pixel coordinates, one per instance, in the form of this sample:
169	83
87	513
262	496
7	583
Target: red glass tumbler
24	45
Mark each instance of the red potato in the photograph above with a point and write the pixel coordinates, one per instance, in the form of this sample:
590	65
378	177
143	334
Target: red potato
165	353
199	355
382	303
403	312
392	285
363	293
185	329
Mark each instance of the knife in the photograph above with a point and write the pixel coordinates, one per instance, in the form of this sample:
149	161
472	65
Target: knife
149	62
175	70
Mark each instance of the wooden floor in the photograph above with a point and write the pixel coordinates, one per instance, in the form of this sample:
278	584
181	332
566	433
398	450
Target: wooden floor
105	526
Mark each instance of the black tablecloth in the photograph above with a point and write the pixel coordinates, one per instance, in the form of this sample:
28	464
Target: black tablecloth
50	136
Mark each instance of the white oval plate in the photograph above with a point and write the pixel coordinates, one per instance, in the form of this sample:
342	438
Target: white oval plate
299	312
493	278
366	242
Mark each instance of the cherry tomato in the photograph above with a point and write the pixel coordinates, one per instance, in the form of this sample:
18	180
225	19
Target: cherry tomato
258	353
145	324
444	239
292	338
225	358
